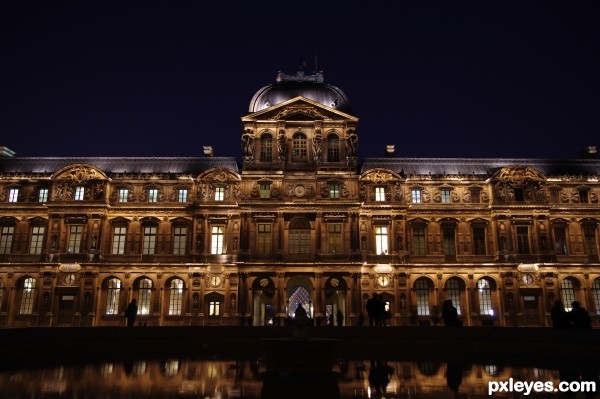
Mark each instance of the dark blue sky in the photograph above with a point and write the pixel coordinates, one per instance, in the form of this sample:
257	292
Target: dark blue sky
437	79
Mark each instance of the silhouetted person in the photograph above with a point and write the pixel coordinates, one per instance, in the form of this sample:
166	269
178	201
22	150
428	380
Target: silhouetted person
579	316
300	316
450	314
330	320
131	312
381	320
379	376
435	311
373	309
560	317
340	318
454	375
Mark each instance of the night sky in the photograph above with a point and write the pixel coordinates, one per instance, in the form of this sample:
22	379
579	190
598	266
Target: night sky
437	79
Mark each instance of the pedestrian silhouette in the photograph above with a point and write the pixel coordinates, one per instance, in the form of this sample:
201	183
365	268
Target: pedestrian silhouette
340	318
450	314
372	307
560	317
131	312
579	316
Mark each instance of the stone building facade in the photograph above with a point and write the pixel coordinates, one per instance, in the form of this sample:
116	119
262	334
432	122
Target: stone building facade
300	220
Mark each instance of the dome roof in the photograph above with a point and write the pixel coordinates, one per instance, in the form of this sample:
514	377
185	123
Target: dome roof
312	87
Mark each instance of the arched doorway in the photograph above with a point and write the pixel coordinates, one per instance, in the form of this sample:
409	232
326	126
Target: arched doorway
263	306
299	291
335	300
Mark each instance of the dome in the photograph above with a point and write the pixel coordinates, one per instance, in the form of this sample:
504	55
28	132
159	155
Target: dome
312	87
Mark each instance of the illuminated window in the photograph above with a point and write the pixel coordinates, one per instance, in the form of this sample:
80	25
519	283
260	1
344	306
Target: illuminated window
113	291
595	292
485	297
264	238
175	297
118	244
149	240
79	193
13	195
453	292
381	240
6	239
217	240
567	293
37	240
422	293
182	195
219	193
265	190
334	190
153	195
144	296
27	296
266	148
214	308
478	240
418	240
123	195
335	237
171	367
416	195
74	244
179	240
522	240
299	150
43	195
333	148
446	199
379	193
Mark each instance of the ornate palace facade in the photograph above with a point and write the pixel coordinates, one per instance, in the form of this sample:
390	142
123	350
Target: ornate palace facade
210	241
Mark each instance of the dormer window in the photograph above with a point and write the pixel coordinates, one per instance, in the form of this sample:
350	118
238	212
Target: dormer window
265	190
43	195
333	148
446	198
123	194
13	195
266	147
379	193
299	149
334	190
416	195
519	194
583	196
182	195
153	195
79	192
219	193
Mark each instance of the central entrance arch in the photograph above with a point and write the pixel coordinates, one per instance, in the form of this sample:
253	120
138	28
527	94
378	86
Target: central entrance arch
299	290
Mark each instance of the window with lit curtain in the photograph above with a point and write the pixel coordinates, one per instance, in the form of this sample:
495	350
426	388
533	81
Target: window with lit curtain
453	292
153	195
219	193
28	296
43	195
422	293
113	292
217	240
266	148
379	193
13	195
175	297
214	308
335	237
149	240
144	296
381	240
118	243
264	238
79	193
567	293
123	194
37	240
446	199
416	195
485	297
74	243
182	195
6	239
595	293
334	190
299	149
179	240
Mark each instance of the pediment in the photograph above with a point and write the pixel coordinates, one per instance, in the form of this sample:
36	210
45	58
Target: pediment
380	176
518	175
218	175
299	109
80	173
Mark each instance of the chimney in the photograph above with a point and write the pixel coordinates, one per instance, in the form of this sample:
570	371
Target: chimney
208	151
589	152
6	152
389	150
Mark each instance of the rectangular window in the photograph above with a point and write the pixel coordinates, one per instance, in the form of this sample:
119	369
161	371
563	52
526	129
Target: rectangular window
449	242
179	240
75	232
153	195
149	240
335	237
523	240
37	240
265	190
476	196
554	196
446	199
479	241
219	193
43	195
266	148
334	191
182	195
118	244
299	241
583	196
79	193
418	241
214	308
560	241
422	291
13	195
123	195
416	195
264	238
379	193
381	240
27	296
217	240
6	239
589	240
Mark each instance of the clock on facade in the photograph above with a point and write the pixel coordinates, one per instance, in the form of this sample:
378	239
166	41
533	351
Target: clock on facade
69	279
215	281
299	190
383	281
527	279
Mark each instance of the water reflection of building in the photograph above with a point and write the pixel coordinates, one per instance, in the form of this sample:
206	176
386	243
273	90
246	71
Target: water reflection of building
205	241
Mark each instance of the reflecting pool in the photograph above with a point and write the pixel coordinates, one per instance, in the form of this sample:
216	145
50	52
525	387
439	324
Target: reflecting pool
229	378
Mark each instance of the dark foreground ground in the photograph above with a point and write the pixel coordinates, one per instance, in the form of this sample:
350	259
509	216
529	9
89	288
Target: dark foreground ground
34	347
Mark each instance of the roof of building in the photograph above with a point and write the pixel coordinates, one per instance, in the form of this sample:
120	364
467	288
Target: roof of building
312	87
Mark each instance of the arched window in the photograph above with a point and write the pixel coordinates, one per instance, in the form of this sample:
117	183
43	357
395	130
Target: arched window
453	292
175	297
422	292
567	293
299	148
113	291
144	296
28	296
485	297
266	147
333	148
595	292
